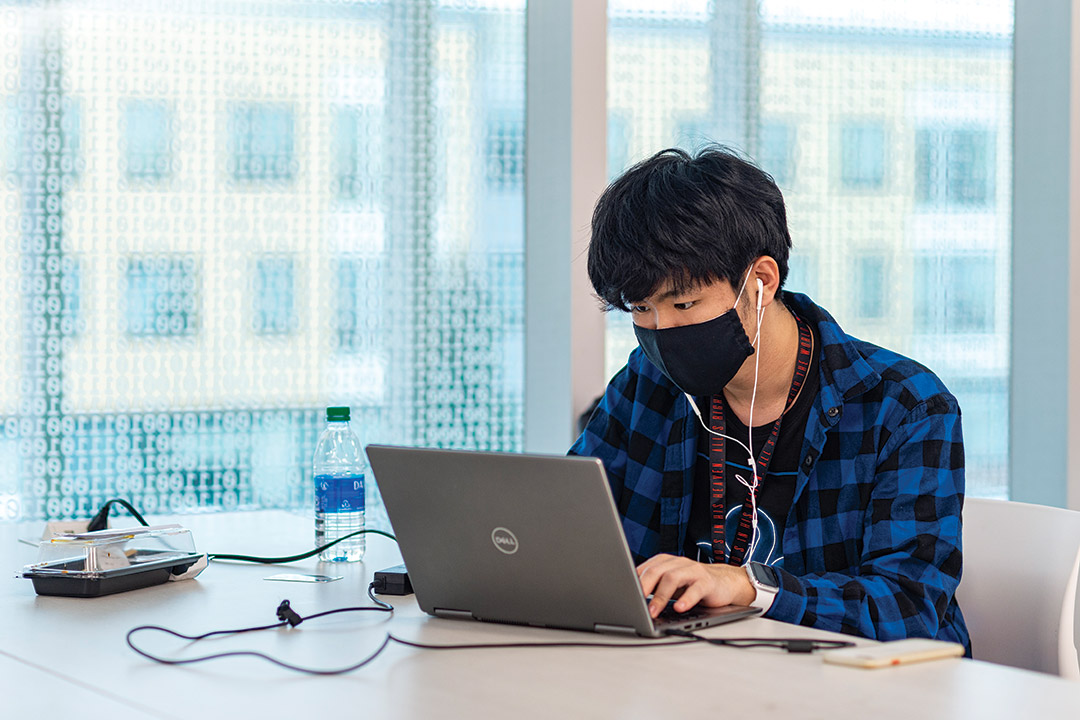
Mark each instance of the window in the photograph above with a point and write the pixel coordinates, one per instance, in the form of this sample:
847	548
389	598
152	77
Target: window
694	133
262	140
870	287
862	157
884	126
357	305
954	168
274	299
146	140
777	153
160	296
954	294
618	145
355	155
802	274
209	330
504	155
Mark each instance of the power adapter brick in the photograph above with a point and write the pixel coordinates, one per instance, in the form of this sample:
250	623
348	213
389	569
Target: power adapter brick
392	581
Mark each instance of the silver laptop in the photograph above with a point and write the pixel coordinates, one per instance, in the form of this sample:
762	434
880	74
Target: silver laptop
524	539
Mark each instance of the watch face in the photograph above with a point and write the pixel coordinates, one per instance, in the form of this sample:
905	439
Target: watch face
765	575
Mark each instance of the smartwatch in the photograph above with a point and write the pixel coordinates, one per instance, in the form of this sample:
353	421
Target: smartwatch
765	582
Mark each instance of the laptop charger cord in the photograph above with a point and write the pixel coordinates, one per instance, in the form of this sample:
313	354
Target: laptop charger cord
791	645
288	618
100	521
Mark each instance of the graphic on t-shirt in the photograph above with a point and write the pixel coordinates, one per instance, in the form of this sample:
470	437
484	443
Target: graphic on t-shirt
768	545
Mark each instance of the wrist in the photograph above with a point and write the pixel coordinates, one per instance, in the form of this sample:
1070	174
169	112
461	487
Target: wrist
765	584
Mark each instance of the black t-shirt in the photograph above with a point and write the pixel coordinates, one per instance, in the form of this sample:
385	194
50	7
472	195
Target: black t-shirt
777	489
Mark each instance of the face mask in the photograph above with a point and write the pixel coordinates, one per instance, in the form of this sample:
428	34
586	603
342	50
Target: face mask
700	359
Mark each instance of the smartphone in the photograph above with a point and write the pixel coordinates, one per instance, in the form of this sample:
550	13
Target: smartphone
897	652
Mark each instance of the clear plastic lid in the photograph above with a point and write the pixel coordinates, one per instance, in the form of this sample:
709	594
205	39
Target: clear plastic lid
113	552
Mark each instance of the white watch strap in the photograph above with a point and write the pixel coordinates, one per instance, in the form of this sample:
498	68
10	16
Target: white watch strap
763	595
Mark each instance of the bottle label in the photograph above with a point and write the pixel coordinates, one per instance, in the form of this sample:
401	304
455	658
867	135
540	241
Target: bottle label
339	494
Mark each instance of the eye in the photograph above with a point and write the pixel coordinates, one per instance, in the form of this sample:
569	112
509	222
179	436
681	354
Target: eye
685	305
638	309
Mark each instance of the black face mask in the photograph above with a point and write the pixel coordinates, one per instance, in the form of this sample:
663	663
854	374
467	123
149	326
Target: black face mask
700	359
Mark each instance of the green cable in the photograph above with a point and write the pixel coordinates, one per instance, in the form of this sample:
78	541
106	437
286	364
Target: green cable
102	517
293	558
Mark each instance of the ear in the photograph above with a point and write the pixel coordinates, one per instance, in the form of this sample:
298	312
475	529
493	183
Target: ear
767	271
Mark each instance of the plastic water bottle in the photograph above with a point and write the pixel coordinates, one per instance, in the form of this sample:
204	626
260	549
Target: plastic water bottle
339	467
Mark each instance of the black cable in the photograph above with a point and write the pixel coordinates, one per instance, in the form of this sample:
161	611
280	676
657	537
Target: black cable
101	520
792	645
294	558
489	646
287	617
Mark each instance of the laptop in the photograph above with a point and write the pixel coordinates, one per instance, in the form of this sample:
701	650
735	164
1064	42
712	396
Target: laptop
516	538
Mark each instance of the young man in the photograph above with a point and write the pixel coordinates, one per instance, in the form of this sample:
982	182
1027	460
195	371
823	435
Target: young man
757	454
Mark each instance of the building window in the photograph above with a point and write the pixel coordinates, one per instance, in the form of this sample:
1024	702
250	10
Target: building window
146	140
777	151
954	294
870	300
160	296
262	142
357	299
954	168
862	156
274	299
694	133
802	273
618	144
355	154
504	144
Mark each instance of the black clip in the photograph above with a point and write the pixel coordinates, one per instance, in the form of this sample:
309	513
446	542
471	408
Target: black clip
287	614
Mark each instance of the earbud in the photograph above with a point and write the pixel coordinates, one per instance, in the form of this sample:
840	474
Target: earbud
760	291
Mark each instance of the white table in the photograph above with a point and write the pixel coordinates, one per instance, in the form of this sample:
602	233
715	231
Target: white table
63	654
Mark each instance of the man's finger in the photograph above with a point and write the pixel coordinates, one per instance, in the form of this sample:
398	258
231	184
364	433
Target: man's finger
671	583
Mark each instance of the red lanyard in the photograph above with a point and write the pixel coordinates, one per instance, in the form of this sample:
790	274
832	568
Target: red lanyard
717	461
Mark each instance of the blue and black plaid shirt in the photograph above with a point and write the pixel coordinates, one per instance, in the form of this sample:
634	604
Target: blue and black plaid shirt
872	543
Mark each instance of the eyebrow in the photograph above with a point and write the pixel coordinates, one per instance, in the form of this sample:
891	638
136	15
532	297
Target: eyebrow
667	294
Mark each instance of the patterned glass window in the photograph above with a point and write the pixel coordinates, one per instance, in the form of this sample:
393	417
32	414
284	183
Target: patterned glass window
777	153
862	157
262	139
357	168
160	296
146	140
870	286
219	219
274	296
955	168
505	141
888	130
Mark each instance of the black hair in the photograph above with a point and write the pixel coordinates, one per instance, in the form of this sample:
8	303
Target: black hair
685	219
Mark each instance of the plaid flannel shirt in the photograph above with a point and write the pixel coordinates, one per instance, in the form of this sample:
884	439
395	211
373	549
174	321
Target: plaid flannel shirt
872	543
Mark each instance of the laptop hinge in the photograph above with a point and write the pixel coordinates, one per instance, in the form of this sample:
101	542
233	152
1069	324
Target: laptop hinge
620	629
454	614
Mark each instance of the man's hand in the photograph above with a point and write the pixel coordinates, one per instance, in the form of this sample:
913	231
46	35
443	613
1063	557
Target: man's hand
667	577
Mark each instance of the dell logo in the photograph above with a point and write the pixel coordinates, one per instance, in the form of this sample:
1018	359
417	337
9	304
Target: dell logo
505	541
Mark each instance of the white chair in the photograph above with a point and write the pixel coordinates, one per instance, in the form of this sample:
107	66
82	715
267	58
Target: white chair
1018	589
